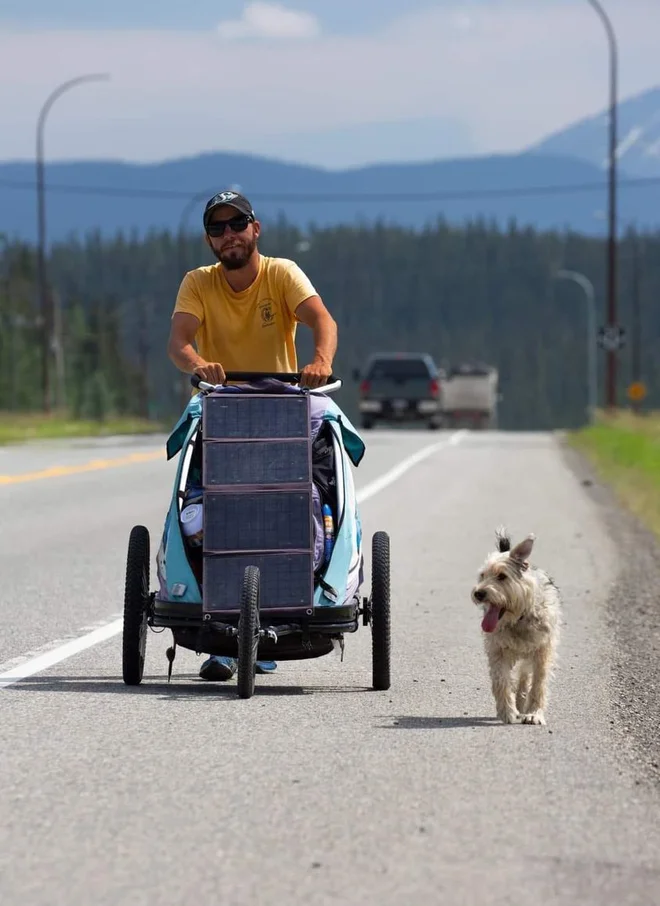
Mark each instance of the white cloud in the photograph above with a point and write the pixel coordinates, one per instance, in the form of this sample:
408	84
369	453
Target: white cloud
521	71
462	22
270	20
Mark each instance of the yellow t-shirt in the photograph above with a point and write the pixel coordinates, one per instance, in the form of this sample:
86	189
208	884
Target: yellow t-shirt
254	330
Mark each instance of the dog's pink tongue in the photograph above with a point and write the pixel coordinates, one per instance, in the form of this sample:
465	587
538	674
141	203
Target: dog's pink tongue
491	619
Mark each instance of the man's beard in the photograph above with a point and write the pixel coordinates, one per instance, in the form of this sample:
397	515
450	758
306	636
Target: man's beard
236	258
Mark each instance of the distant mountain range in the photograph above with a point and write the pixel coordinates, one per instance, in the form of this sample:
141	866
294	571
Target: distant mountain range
560	183
638	137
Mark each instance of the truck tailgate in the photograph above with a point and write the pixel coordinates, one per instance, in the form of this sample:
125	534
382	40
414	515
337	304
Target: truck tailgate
468	393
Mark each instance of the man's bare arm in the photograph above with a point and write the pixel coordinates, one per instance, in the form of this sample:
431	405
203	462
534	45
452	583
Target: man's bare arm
313	313
184	355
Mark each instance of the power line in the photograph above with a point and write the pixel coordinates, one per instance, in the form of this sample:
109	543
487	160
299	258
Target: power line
299	197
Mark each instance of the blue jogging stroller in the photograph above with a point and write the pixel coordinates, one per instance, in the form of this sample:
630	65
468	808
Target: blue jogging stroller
261	553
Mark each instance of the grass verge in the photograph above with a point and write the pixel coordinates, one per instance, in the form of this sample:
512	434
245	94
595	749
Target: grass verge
16	428
624	449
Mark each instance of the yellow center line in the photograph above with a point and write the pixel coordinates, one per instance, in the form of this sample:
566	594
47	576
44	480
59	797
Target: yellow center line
94	465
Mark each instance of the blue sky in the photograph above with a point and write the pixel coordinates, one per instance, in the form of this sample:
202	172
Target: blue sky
337	16
333	83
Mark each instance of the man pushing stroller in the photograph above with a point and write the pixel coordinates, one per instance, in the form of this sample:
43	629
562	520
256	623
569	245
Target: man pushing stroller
242	314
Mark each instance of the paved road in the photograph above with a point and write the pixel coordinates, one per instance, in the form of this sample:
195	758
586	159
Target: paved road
317	790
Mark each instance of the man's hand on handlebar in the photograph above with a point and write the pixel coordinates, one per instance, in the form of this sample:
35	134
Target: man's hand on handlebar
211	372
312	376
316	374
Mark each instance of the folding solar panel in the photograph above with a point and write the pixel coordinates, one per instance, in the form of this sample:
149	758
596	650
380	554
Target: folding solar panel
257	480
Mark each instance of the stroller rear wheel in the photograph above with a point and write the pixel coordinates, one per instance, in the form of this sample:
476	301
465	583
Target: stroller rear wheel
380	610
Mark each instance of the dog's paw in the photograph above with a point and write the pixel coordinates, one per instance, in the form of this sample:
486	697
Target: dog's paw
536	718
509	717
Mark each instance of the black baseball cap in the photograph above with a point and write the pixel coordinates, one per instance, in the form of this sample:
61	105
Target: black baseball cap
233	199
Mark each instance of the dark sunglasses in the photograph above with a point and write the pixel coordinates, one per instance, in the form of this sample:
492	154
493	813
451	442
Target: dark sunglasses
236	225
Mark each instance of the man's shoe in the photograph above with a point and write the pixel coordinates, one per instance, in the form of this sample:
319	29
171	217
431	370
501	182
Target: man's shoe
266	666
218	668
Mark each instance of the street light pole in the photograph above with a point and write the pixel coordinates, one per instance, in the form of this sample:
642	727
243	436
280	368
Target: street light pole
44	298
612	203
592	372
183	224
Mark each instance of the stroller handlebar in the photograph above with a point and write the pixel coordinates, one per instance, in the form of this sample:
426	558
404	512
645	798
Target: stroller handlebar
334	383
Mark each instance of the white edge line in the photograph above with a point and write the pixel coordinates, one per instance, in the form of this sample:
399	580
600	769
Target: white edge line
50	658
374	487
103	633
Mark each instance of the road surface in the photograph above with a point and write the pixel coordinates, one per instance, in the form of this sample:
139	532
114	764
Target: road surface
317	790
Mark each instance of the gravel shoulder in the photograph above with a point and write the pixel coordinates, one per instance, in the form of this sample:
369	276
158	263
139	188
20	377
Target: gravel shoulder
633	611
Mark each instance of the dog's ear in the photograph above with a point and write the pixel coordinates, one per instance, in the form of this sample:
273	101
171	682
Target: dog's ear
503	540
521	552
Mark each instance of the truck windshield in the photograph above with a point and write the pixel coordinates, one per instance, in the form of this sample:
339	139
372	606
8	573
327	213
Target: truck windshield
398	368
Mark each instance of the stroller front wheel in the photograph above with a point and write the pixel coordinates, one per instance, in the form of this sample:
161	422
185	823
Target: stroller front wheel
248	632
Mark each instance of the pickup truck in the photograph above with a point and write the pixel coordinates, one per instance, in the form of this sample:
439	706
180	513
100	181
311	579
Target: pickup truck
400	387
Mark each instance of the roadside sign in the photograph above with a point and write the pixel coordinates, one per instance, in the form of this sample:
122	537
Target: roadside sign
637	391
611	337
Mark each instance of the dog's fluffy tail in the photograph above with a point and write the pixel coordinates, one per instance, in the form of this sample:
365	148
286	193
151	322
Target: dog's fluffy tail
503	539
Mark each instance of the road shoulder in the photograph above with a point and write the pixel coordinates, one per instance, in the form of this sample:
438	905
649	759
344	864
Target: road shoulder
633	605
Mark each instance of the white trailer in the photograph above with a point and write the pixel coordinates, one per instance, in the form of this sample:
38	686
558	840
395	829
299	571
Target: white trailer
470	396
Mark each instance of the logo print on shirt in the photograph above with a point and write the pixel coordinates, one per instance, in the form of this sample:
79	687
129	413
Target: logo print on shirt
267	313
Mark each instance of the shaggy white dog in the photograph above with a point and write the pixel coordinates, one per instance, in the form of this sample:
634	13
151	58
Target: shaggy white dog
521	616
